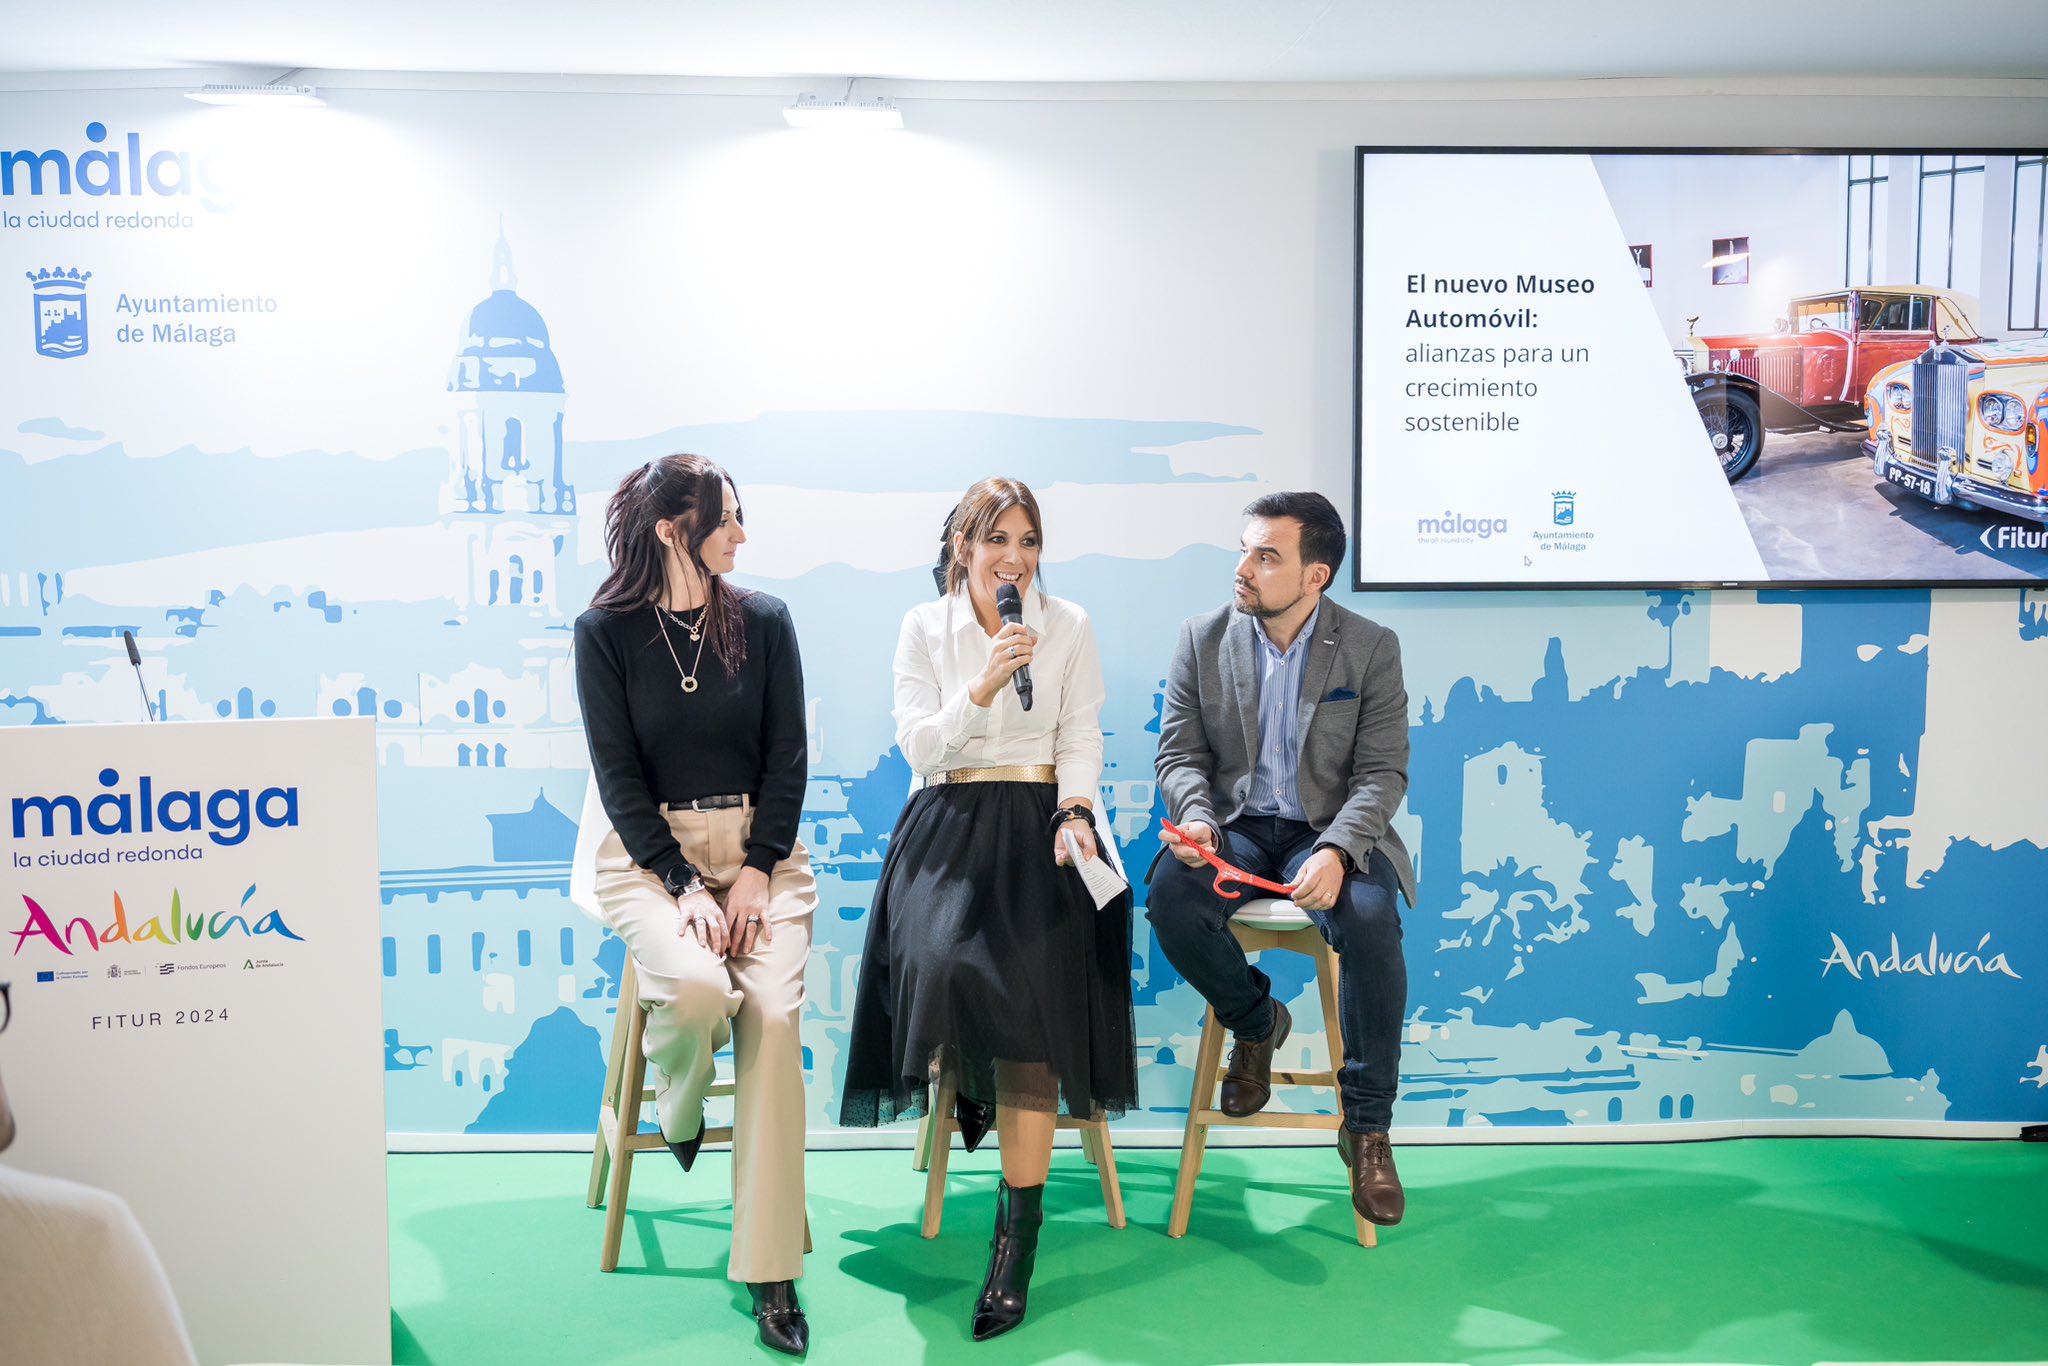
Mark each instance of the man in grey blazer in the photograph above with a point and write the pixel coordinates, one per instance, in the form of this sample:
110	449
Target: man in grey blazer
1283	746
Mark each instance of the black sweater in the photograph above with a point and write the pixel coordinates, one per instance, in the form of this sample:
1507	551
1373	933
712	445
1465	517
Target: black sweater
651	743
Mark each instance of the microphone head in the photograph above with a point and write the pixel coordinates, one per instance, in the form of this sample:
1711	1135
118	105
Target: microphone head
1008	603
134	655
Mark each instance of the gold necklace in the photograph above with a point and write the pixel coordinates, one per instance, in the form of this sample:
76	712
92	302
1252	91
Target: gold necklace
661	614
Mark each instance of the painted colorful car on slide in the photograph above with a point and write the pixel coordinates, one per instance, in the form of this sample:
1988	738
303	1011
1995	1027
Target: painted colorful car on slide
1964	425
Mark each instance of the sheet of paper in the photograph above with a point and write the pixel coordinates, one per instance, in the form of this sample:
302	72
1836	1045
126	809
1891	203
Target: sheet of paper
1105	884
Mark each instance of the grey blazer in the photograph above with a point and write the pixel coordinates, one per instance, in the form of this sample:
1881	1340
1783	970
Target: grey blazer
1354	724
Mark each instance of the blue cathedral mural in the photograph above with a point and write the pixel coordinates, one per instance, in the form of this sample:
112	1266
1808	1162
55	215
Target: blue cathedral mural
1670	893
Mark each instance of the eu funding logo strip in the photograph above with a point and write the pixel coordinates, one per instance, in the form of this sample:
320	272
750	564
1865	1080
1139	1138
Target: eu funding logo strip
190	910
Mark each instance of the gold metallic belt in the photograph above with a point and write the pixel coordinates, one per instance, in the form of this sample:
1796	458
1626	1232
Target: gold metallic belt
1003	773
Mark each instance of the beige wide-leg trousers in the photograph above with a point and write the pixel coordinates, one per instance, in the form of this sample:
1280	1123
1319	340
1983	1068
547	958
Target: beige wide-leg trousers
697	1001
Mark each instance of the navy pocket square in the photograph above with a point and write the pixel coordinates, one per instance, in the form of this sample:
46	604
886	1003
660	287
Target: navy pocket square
1341	695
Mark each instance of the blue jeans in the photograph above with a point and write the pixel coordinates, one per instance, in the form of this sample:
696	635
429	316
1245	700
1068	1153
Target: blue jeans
1364	927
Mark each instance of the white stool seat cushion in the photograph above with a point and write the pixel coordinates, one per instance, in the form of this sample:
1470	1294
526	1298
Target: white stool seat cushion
1271	913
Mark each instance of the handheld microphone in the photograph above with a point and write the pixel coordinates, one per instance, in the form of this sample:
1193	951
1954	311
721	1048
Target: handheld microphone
1011	608
135	658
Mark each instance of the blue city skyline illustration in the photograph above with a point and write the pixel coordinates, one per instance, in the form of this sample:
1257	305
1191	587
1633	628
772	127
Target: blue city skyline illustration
59	300
1613	928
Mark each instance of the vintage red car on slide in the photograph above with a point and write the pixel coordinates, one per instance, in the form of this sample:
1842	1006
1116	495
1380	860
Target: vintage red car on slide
1810	375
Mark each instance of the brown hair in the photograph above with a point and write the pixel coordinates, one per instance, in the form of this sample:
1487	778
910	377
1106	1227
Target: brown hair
691	489
1322	530
974	517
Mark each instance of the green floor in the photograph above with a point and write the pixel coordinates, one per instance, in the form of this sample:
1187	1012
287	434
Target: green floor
1763	1250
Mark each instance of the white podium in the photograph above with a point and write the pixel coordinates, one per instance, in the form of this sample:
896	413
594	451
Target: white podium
191	931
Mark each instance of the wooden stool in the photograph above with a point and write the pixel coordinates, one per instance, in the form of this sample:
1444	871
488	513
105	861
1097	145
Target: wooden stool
618	1118
1269	923
935	1146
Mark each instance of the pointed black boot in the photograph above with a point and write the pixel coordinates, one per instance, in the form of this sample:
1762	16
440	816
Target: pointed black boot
1013	1252
783	1326
686	1151
973	1118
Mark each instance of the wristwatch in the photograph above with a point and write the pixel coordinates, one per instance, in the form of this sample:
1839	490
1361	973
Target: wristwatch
1076	812
1343	857
683	881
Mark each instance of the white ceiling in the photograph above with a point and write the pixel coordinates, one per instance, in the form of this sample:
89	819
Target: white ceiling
1044	40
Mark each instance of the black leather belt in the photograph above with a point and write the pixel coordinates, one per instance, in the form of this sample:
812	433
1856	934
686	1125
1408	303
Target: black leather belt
719	803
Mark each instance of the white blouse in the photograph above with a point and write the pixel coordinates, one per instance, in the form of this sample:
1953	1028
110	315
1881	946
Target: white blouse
942	648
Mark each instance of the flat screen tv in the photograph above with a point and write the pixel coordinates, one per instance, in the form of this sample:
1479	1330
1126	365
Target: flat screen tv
1701	368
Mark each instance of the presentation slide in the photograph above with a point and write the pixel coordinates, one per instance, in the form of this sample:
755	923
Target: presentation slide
1650	369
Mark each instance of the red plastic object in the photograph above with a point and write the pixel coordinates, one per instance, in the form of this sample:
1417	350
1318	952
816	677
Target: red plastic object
1226	871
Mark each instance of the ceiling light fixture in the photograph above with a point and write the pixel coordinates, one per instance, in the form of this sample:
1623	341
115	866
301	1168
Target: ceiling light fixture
265	96
847	111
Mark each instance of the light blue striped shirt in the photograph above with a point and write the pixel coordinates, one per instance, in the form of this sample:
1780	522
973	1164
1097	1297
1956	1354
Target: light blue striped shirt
1276	772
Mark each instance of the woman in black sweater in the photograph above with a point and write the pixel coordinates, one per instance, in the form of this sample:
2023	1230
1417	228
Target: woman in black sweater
693	702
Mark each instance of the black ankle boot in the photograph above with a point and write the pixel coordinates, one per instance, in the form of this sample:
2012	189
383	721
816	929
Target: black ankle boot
686	1151
783	1326
1013	1252
973	1118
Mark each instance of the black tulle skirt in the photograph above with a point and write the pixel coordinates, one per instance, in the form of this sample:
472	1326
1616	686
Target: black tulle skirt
988	964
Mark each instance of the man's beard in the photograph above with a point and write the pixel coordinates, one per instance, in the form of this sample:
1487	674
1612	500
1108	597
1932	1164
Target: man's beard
1257	608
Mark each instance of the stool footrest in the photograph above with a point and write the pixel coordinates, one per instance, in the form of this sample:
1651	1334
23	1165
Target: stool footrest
608	1127
1266	1120
1283	1078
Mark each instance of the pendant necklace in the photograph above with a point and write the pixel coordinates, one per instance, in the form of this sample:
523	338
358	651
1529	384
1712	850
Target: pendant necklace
661	615
696	628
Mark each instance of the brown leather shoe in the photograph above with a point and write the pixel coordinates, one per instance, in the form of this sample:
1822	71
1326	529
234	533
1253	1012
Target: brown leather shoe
1375	1186
1248	1080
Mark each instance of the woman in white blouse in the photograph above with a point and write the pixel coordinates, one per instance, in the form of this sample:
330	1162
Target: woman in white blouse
987	964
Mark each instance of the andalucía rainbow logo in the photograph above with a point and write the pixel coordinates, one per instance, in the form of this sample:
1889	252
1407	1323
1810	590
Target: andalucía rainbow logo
172	928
